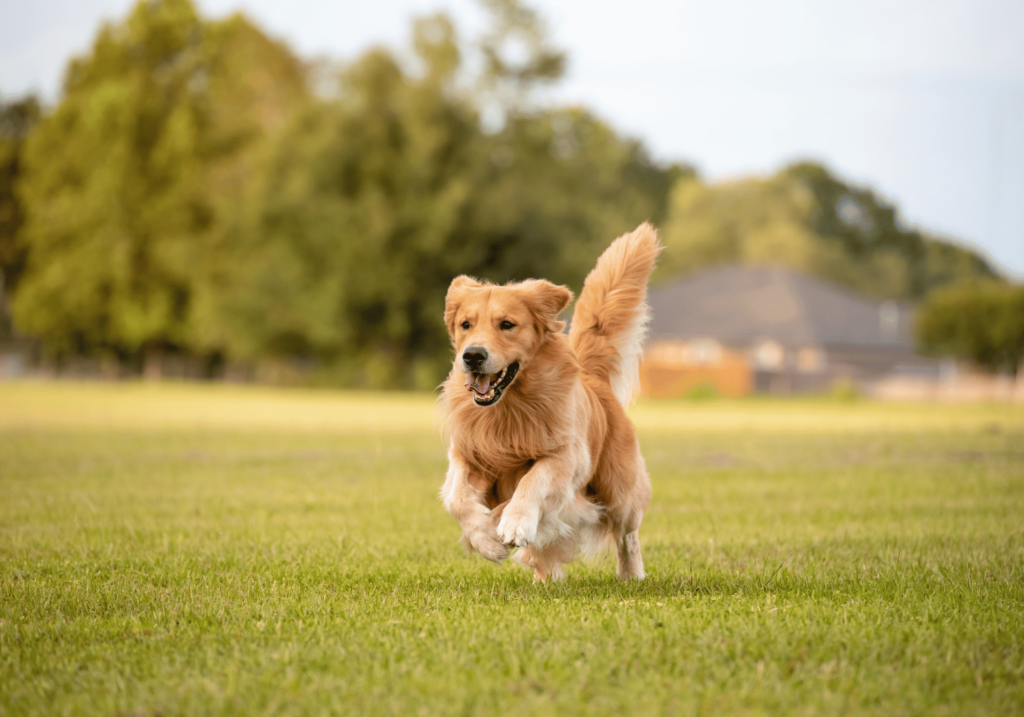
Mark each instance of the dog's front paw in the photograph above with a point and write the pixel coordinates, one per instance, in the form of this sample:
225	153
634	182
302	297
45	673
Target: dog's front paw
518	526
479	535
486	544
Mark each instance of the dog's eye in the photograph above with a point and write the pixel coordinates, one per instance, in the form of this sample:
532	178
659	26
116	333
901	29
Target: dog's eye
506	325
465	324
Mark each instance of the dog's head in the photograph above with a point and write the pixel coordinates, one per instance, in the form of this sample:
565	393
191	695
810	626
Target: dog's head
496	330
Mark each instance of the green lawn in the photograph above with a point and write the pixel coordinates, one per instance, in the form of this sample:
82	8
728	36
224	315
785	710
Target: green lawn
199	550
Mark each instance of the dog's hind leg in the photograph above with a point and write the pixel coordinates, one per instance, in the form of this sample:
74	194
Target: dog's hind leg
626	519
631	562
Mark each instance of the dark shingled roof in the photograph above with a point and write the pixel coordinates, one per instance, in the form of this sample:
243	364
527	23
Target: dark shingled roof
740	305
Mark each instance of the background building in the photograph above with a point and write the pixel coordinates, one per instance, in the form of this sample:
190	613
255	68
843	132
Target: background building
744	329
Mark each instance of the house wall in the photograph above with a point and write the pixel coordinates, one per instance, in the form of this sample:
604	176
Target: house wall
672	369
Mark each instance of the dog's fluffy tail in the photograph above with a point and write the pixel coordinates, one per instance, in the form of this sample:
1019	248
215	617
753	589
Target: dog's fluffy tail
610	320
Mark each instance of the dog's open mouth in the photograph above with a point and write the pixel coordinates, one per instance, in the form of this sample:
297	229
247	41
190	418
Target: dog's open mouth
487	387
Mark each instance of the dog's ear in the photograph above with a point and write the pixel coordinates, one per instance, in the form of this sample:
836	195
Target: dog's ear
546	300
459	286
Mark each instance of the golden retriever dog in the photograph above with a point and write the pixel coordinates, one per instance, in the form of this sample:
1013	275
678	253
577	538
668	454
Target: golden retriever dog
542	456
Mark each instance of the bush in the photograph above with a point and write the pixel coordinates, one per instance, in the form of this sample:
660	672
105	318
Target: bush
703	392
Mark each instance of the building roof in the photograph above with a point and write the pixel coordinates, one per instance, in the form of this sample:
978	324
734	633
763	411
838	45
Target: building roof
740	305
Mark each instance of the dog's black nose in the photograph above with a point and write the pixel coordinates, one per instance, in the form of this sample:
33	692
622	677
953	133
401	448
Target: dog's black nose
474	357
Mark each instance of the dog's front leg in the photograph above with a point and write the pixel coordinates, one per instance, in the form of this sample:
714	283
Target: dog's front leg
547	486
465	503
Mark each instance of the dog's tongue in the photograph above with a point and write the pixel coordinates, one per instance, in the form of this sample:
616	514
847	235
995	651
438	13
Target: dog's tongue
479	382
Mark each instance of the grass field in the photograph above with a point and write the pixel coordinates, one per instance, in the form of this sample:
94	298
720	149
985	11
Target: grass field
205	550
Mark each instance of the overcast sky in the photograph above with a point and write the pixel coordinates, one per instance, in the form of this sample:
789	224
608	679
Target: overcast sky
921	101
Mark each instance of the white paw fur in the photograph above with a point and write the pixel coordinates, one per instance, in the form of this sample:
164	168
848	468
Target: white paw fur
518	525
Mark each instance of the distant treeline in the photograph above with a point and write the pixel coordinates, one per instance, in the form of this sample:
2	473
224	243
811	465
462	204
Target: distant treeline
199	190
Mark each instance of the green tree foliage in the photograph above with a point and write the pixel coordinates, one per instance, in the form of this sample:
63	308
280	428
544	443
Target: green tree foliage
806	219
979	321
17	118
125	181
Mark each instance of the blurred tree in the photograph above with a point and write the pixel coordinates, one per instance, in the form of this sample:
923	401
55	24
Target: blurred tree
17	118
806	219
979	321
126	181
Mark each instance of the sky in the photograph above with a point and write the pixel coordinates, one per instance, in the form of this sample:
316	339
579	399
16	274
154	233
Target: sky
923	102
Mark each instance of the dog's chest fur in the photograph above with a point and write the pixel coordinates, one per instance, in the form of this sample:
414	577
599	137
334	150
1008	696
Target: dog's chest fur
503	441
